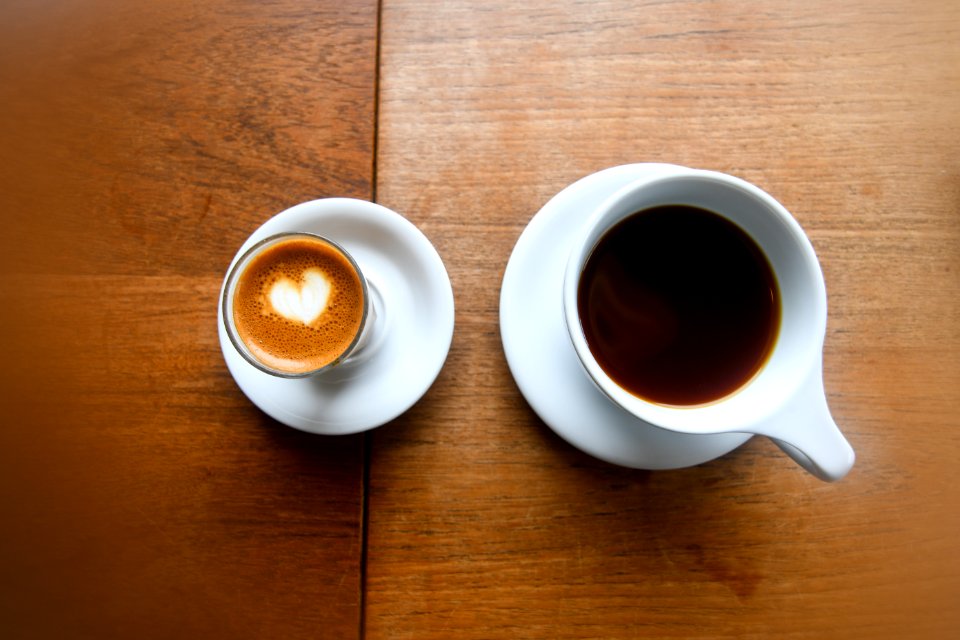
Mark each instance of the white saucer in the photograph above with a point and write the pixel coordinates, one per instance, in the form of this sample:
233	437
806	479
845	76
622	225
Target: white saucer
412	335
541	356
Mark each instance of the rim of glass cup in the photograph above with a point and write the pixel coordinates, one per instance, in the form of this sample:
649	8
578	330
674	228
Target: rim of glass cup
226	303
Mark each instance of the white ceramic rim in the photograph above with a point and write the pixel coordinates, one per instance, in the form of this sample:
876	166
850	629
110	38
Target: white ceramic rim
799	277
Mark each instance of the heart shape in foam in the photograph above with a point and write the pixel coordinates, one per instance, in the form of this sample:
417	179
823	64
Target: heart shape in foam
303	302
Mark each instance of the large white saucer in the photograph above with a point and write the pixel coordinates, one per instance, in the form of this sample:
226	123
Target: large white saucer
541	356
412	335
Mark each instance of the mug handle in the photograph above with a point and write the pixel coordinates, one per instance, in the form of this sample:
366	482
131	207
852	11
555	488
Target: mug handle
805	431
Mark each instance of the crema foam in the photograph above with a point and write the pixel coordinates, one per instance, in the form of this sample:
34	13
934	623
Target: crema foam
298	305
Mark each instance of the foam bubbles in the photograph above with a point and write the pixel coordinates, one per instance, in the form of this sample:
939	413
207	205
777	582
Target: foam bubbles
298	305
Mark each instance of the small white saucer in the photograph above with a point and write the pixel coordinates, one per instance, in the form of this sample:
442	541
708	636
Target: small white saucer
412	336
541	356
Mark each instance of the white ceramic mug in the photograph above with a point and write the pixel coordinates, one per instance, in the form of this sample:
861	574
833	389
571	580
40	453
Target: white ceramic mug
785	401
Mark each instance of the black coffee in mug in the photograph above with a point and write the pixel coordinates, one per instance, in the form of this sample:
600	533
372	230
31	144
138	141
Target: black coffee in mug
679	305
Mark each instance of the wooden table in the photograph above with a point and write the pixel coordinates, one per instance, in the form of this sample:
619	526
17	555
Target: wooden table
142	495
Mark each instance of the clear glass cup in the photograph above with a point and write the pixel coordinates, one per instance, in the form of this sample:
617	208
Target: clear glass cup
352	349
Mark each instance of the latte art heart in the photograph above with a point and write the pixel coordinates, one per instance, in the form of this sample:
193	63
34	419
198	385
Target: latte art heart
303	302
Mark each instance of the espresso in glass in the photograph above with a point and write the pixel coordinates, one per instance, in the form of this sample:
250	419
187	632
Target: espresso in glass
295	304
679	305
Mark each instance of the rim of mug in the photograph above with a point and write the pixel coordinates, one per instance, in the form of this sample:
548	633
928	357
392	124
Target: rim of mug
229	286
736	410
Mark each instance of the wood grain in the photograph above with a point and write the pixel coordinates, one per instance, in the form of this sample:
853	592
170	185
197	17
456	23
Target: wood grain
482	522
141	494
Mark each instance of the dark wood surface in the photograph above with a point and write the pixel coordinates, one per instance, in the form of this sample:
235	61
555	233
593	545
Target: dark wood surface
142	495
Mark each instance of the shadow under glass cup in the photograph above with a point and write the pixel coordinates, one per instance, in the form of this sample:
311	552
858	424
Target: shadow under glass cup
296	305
